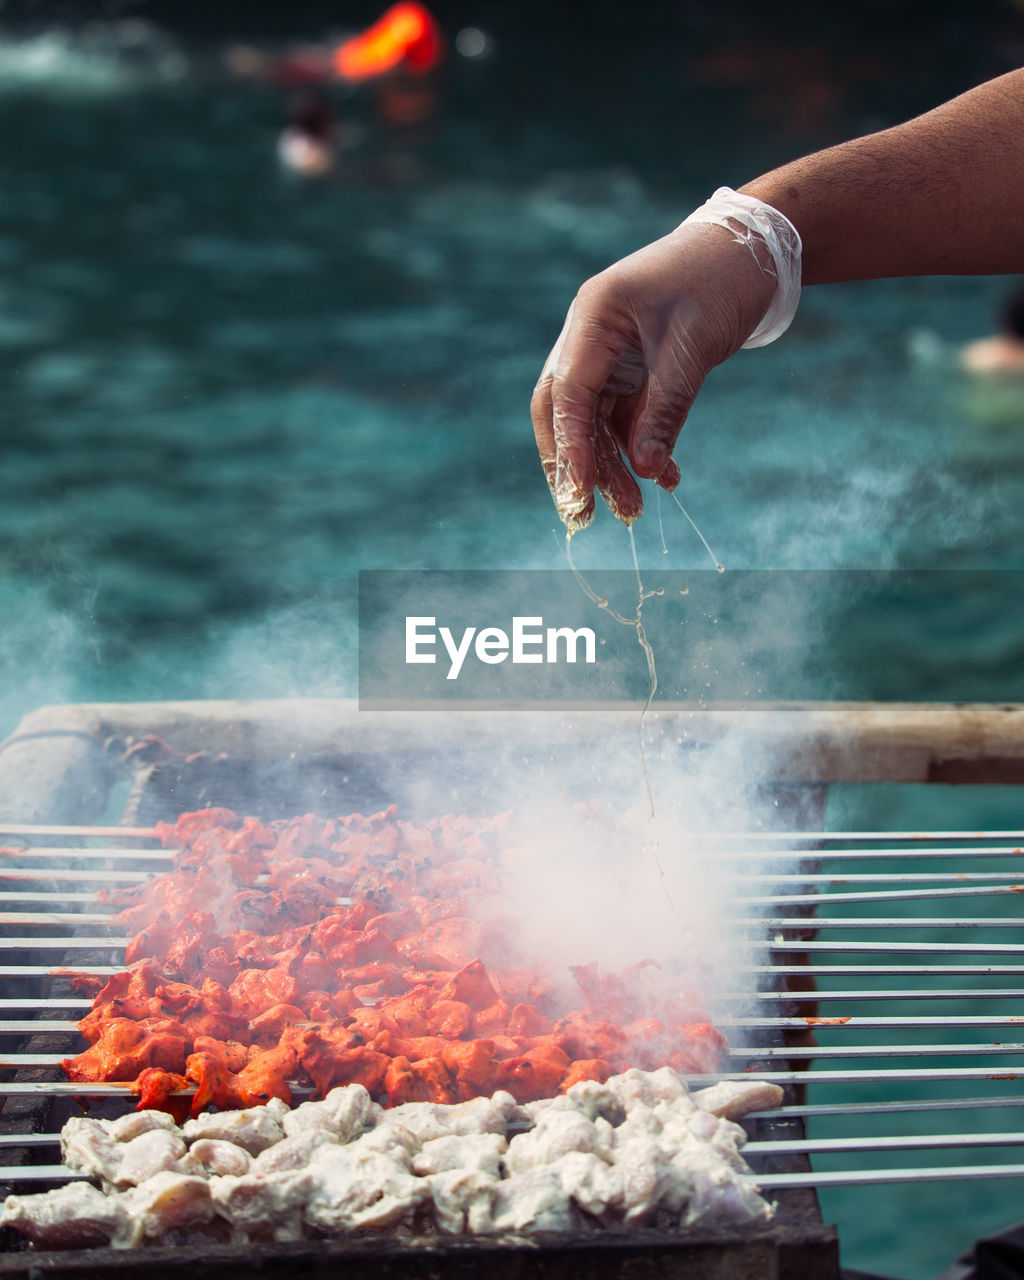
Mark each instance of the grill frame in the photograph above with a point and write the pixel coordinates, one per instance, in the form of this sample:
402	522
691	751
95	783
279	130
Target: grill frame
139	762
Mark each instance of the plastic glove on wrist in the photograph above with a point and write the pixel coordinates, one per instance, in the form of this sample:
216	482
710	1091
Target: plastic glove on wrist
641	337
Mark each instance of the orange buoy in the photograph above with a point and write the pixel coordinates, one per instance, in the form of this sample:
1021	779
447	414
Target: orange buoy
406	36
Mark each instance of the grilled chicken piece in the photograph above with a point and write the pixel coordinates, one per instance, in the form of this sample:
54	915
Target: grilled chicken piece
87	1147
427	1120
150	1153
463	1201
557	1132
588	1180
291	1153
136	1123
474	1152
165	1202
715	1192
345	1114
124	1048
532	1201
255	1128
595	1099
73	1217
642	1170
353	1188
210	1156
263	1208
733	1099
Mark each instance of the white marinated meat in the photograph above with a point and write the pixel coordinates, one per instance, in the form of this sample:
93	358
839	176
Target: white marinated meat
290	1153
356	1188
589	1181
532	1201
165	1202
472	1152
555	1134
156	1151
87	1147
263	1208
73	1217
637	1149
642	1166
345	1113
463	1201
255	1128
211	1156
733	1099
136	1123
429	1120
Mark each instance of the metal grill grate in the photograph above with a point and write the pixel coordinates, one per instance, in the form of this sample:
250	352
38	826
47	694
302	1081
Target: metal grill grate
52	925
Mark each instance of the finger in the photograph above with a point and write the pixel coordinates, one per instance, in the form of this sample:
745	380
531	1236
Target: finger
615	483
672	386
543	432
588	353
670	477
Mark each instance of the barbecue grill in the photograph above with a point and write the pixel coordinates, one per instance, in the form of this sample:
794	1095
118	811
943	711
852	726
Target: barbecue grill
80	789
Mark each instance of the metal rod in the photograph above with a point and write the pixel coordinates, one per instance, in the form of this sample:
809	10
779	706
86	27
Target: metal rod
939	993
47	896
55	917
869	1023
876	970
867	855
37	1026
900	1142
926	948
33	1002
61	971
888	895
149	833
41	853
60	832
882	922
863	877
52	876
56	944
123	1090
753	1023
38	1173
820	1052
872	1177
900	837
883	1108
29	1139
860	1075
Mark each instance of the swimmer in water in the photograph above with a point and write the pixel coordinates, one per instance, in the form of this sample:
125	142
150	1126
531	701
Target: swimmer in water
1003	353
307	146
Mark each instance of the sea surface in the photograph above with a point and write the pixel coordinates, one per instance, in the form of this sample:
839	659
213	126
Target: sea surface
224	390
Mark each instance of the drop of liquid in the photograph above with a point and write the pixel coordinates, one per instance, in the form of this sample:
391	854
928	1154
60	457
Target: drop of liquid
720	568
684	591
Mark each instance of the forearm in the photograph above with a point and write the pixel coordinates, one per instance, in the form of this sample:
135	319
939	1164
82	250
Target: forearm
940	195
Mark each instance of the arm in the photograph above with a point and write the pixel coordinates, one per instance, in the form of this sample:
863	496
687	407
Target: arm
942	194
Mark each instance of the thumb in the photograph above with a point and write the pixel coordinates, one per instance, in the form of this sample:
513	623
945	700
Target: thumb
672	386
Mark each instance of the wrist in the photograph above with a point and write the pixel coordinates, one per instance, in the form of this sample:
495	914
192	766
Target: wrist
773	242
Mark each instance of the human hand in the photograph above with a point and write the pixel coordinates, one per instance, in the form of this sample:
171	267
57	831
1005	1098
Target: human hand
639	340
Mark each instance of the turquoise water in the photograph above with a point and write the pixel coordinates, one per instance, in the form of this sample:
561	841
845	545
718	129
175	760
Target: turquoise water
223	392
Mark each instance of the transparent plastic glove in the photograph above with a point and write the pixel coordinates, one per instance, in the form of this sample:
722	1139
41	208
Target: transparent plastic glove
641	337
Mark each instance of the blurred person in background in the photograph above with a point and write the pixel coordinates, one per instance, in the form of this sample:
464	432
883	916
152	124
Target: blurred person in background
1003	352
307	146
396	59
939	195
